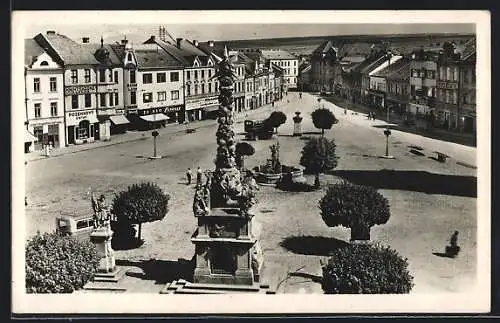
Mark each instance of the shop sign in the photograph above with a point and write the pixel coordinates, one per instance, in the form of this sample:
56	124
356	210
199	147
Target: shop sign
79	89
193	105
210	102
75	117
447	85
175	108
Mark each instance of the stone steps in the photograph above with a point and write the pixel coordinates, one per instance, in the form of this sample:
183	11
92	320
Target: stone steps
183	287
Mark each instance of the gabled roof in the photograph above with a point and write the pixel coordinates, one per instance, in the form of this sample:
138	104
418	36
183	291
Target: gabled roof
398	70
31	51
119	51
306	69
68	50
367	66
469	53
324	48
277	54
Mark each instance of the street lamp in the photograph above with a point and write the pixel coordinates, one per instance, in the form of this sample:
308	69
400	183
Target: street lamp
154	134
387	133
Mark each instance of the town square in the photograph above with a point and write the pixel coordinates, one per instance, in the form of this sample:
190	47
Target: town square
160	164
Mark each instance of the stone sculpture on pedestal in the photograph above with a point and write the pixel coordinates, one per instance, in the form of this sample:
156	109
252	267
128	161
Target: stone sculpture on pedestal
227	255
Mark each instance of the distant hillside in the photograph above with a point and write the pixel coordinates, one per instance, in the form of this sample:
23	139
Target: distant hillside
305	45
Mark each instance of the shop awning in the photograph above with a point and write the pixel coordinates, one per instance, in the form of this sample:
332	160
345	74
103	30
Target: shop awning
28	136
155	117
119	119
211	108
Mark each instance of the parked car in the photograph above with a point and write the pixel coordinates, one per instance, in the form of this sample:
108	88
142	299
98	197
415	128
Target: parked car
257	129
78	225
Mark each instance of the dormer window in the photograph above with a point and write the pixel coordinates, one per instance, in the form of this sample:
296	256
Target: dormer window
129	57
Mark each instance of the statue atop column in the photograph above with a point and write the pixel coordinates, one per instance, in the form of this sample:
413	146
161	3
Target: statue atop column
101	211
227	187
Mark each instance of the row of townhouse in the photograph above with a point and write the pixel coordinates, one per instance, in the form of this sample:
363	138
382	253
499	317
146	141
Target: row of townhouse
79	92
436	86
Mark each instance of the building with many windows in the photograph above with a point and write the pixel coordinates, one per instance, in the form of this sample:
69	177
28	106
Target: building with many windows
200	89
80	87
423	74
326	71
44	91
288	62
153	85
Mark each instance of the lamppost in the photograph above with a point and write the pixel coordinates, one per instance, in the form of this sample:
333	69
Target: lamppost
387	133
154	134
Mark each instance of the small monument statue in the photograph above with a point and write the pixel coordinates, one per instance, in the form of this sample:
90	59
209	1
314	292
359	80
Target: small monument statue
101	211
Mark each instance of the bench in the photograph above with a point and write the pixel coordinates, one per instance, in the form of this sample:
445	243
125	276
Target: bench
441	157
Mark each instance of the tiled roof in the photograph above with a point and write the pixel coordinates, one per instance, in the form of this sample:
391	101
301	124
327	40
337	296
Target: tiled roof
277	54
469	50
31	50
156	59
323	48
365	68
355	49
71	52
397	70
353	59
119	51
115	60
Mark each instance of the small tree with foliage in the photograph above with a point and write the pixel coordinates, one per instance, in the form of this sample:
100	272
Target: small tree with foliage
243	149
139	203
323	119
357	207
366	269
58	263
276	119
318	156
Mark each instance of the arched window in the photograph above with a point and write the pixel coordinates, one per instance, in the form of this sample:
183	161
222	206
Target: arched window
129	57
44	63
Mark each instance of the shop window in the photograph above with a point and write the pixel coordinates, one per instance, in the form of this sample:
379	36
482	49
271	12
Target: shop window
38	110
87	76
53	109
88	100
175	95
147	78
161	77
174	76
53	84
147	97
74	101
36	85
83	130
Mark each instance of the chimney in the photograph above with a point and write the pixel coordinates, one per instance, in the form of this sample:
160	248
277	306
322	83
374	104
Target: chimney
51	32
85	40
124	41
211	43
178	40
153	38
195	42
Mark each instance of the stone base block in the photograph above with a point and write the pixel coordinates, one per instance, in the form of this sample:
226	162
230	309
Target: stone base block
111	277
184	287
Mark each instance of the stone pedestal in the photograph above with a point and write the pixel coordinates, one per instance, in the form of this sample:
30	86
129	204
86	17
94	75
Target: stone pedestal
297	121
107	270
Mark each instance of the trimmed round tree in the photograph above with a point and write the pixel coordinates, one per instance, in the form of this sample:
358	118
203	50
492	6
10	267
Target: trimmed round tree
318	156
140	203
357	207
58	263
276	119
366	269
243	149
323	119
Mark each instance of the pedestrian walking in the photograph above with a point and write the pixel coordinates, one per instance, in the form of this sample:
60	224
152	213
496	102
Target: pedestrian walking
189	176
300	95
199	176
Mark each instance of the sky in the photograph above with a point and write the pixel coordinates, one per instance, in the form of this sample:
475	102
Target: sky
205	32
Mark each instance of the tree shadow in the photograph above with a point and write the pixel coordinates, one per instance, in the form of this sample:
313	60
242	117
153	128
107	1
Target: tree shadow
312	245
161	271
417	181
384	126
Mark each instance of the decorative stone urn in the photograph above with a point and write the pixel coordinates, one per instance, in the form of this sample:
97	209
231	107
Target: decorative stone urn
297	120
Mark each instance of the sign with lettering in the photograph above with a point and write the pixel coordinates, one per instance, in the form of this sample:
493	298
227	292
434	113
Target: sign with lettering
175	108
73	118
80	89
447	85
